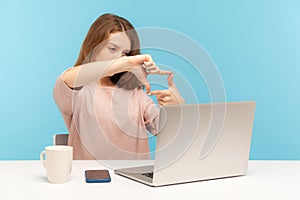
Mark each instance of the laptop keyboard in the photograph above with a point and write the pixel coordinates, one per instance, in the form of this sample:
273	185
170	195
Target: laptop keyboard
150	175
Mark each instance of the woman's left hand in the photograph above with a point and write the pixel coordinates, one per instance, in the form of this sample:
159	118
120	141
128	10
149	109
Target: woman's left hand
169	96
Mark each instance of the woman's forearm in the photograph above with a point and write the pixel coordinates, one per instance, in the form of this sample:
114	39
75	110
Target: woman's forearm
92	72
83	74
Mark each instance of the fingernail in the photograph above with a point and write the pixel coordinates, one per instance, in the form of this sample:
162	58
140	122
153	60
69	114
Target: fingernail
149	93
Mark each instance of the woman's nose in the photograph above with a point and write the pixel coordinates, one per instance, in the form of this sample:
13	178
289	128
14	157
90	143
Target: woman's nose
119	54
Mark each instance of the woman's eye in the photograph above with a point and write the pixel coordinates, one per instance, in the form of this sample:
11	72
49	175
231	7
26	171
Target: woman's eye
112	48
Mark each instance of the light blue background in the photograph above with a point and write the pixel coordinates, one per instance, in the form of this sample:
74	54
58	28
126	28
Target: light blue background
255	44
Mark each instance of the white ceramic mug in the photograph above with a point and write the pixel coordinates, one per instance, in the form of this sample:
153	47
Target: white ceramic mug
57	161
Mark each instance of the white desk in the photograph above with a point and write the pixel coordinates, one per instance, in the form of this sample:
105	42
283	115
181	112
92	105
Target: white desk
265	180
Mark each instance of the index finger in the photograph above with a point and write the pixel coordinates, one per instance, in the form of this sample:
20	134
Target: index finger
156	92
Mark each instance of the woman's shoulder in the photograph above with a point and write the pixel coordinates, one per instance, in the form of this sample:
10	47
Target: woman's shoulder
140	91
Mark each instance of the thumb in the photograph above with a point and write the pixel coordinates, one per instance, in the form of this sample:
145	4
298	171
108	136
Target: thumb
148	87
170	80
147	58
165	72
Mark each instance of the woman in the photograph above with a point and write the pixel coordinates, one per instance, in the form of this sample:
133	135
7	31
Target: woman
101	98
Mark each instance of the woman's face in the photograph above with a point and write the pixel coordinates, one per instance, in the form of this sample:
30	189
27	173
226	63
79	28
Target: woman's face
118	45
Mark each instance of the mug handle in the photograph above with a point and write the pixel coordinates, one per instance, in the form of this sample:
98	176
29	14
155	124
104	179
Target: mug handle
42	155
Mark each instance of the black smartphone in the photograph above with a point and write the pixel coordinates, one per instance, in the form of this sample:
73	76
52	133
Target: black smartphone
97	176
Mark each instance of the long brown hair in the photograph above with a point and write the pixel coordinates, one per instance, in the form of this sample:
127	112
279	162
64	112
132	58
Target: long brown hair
100	32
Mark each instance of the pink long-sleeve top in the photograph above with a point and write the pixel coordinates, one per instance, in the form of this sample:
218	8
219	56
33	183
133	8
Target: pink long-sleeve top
107	123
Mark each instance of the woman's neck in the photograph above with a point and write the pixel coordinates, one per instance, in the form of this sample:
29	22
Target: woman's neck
106	82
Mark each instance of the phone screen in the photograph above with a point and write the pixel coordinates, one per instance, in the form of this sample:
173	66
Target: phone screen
97	176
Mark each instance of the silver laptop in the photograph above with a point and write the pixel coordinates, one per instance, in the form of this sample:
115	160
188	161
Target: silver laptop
199	142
